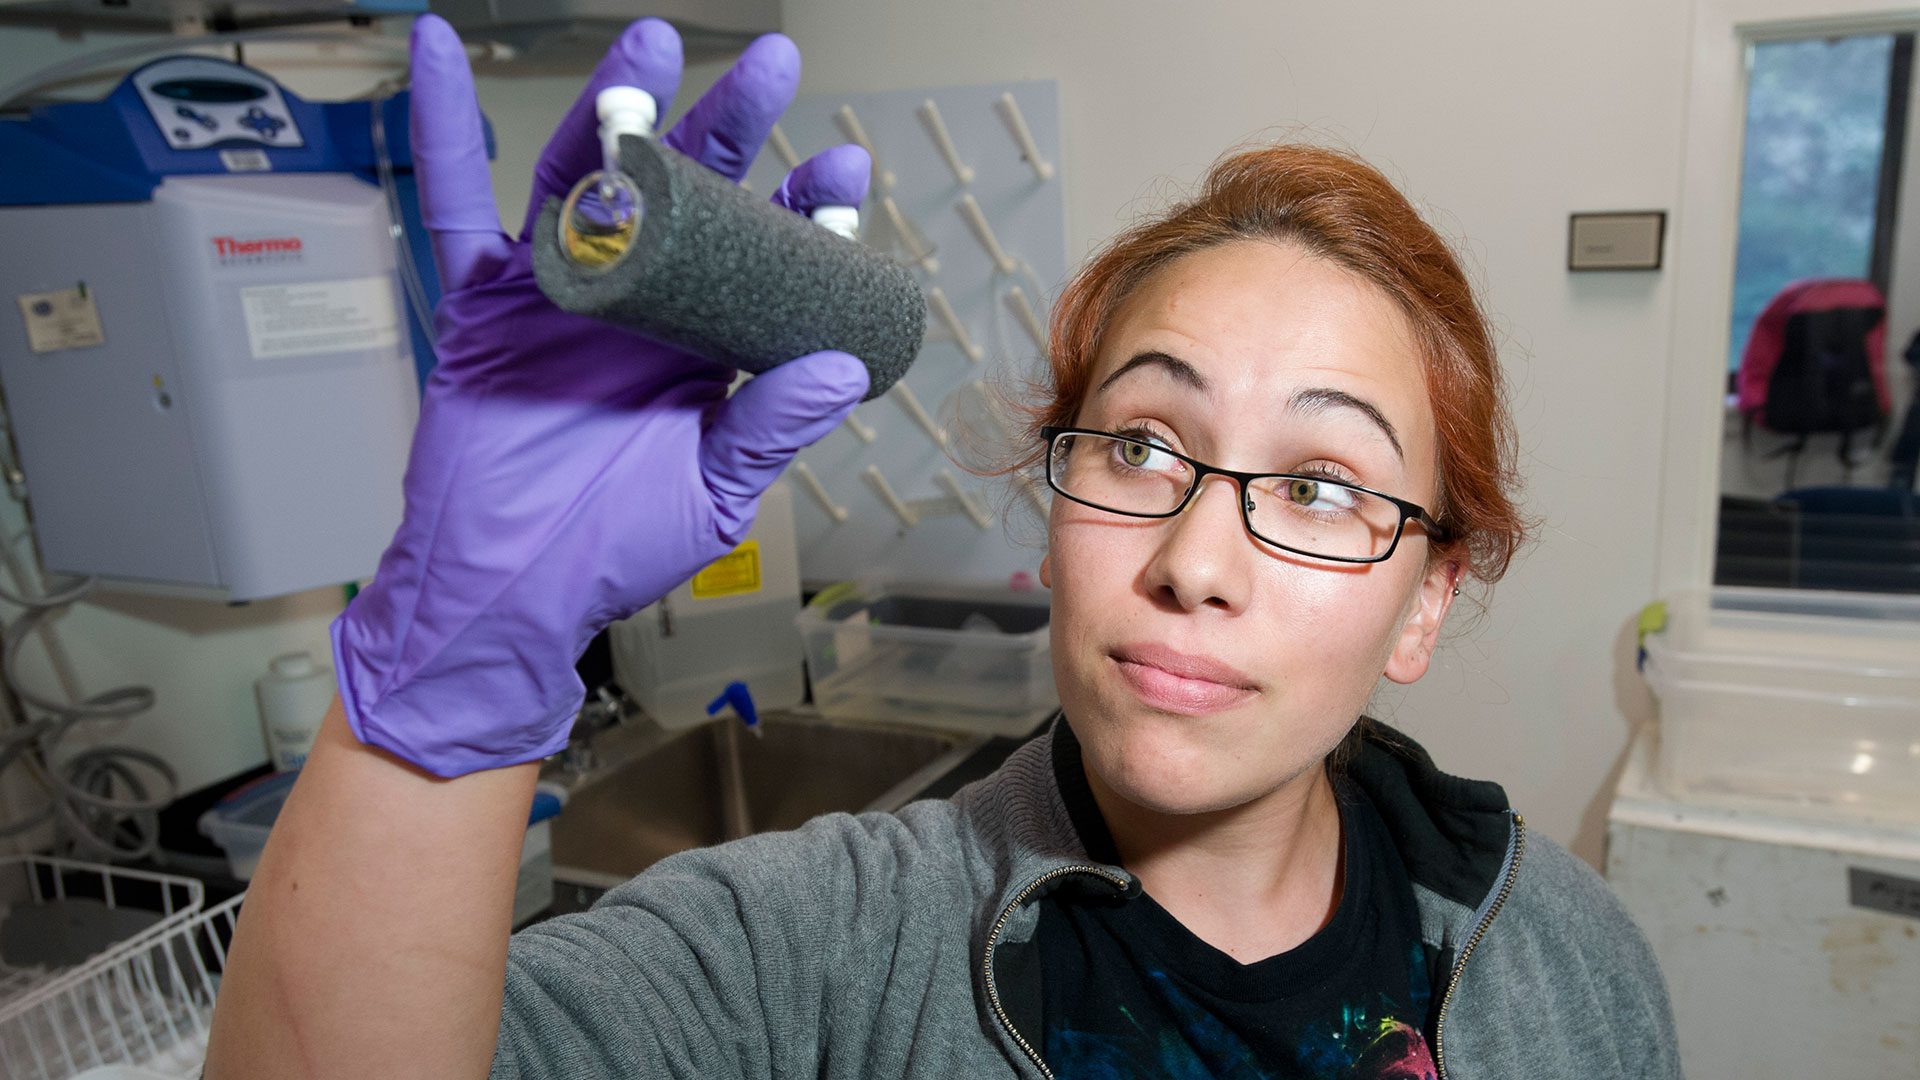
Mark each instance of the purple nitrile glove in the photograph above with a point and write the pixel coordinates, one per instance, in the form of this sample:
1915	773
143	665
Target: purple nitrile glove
565	473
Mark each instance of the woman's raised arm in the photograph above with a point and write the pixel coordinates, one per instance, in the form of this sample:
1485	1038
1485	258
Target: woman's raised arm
564	474
373	941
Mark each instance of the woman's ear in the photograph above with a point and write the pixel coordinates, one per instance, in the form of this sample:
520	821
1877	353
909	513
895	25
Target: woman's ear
1421	632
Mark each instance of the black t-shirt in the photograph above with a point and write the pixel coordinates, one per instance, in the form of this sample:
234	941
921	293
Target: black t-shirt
1126	991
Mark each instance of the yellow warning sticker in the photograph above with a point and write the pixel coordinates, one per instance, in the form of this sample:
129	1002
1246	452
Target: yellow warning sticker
736	572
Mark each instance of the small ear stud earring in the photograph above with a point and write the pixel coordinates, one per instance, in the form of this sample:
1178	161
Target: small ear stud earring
1456	590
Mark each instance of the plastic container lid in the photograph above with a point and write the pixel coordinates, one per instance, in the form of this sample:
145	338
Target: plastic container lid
240	822
257	803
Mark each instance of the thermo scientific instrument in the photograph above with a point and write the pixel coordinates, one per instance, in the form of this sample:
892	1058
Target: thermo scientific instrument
211	382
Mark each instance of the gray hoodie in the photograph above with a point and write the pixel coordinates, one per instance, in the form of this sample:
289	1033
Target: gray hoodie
895	945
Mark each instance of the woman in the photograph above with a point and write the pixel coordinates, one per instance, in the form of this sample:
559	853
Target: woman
1209	866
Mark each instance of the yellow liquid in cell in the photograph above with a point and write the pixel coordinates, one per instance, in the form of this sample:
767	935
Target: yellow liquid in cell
598	248
600	219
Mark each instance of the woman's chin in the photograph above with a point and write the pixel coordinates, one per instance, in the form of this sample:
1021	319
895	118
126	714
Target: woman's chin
1180	765
1167	771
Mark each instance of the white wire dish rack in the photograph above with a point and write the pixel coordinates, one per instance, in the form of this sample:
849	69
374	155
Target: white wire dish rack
142	1002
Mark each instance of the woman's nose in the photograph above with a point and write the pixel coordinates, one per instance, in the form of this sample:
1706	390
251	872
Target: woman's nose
1204	552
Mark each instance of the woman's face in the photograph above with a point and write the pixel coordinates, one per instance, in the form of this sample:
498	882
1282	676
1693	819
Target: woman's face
1201	668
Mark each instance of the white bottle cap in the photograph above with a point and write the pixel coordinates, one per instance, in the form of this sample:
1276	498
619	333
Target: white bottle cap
844	220
623	110
293	665
628	110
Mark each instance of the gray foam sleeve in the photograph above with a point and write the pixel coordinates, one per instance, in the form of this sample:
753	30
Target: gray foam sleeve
725	274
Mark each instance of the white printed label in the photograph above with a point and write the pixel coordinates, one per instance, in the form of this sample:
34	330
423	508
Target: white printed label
246	161
63	319
318	317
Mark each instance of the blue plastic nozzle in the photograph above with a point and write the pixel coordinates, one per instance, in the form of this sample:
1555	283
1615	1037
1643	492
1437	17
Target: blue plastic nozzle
741	699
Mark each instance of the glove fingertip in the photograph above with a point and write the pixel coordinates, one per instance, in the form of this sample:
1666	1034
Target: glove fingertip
431	29
836	176
836	375
774	58
648	46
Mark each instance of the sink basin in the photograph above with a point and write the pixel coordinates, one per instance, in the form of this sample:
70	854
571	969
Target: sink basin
659	792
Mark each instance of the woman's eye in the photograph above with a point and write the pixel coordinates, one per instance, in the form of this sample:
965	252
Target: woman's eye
1315	495
1139	455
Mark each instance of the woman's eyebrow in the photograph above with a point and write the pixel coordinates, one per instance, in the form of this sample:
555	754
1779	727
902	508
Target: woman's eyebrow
1320	398
1172	365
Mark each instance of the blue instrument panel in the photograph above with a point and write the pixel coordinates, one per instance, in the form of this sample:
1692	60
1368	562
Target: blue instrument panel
199	102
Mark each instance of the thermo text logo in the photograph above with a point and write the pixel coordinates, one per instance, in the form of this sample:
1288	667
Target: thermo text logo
262	249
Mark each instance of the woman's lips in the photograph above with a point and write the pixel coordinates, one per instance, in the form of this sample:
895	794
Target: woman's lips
1180	683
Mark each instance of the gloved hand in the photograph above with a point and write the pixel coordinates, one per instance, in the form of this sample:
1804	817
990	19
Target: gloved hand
565	473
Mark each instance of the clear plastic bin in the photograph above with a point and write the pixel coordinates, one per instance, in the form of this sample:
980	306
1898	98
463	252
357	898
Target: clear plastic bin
950	659
240	822
1806	699
731	622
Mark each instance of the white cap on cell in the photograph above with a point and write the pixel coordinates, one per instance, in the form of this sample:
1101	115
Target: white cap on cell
628	110
844	220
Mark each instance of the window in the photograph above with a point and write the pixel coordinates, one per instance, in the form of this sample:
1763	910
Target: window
1817	478
1820	167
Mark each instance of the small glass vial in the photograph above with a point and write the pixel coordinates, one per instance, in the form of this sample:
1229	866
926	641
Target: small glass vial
602	214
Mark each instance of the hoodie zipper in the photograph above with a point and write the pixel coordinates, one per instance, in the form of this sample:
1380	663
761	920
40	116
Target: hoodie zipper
993	942
1516	845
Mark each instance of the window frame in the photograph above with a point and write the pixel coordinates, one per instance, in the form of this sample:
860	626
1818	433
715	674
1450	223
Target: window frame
1705	243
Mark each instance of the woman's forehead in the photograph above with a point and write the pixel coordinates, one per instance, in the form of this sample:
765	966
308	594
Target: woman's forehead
1262	325
1261	321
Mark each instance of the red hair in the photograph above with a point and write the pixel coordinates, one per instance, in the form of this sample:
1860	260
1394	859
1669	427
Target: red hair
1342	209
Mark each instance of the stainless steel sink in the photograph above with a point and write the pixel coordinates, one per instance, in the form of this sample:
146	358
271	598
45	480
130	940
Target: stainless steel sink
652	793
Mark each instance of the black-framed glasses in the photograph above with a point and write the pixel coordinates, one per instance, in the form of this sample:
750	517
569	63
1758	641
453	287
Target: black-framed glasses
1304	513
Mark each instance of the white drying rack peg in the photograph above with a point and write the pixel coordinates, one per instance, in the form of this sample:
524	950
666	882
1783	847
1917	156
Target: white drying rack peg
973	510
1009	111
850	125
1023	310
819	491
783	147
910	235
983	231
901	510
937	130
910	401
860	428
943	310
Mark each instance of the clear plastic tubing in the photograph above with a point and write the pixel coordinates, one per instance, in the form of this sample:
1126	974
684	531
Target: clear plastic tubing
603	212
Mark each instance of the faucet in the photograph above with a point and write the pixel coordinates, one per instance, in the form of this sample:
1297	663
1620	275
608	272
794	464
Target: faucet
735	820
603	710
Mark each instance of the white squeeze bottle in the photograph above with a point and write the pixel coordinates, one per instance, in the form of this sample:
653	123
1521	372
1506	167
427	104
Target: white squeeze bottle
294	696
